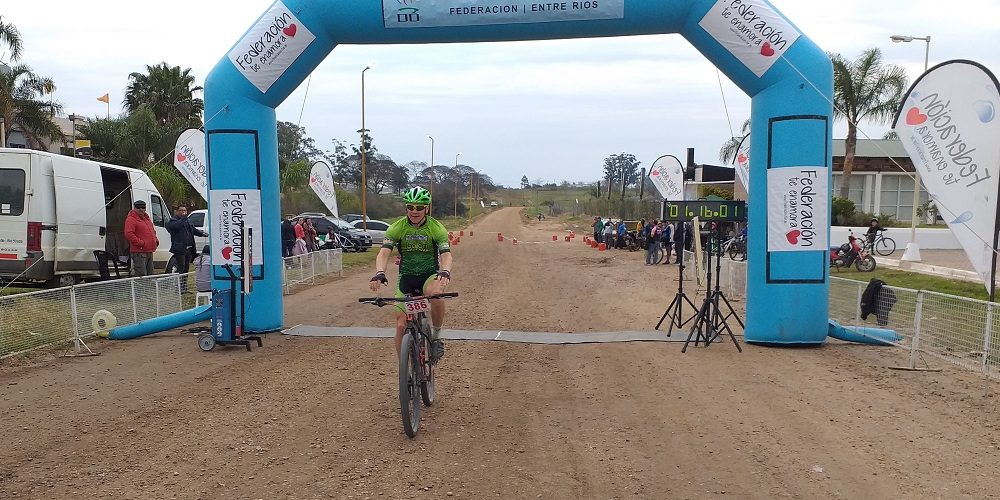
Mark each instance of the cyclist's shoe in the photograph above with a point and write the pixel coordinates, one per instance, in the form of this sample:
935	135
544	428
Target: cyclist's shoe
437	350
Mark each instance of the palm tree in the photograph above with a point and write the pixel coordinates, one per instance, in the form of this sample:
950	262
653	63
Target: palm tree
136	140
10	37
21	106
168	92
728	150
864	89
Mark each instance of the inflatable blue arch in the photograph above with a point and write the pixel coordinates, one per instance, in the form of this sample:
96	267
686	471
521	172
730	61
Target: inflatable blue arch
789	79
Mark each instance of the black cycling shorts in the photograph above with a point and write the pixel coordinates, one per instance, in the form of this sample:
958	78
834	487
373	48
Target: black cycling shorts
414	284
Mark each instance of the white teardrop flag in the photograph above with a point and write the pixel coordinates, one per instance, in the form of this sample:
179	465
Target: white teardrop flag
190	160
949	126
667	175
321	181
742	163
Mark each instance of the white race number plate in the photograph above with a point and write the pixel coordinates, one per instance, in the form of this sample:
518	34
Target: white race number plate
418	306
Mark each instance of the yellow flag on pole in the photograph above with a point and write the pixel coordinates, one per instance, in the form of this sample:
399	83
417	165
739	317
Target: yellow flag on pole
106	98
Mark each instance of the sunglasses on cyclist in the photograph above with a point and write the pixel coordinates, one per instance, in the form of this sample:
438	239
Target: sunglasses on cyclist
416	208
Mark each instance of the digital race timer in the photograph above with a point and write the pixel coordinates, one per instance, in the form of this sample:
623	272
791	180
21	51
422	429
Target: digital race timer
705	211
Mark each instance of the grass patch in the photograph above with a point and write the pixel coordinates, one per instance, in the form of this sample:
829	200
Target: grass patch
917	281
360	259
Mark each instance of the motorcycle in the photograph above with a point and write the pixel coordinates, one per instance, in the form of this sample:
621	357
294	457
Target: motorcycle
852	252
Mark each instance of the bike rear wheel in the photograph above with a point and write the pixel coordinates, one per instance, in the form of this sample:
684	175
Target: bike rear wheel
884	246
409	399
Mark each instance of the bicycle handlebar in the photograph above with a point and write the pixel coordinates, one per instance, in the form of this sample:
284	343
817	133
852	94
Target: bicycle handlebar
384	301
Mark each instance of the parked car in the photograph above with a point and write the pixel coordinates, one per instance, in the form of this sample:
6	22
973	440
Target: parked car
351	217
493	204
199	219
324	225
376	228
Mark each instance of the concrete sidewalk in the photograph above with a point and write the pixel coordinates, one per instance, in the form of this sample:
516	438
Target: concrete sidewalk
945	263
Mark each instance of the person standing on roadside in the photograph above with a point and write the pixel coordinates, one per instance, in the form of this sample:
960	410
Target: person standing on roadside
598	226
182	235
667	240
141	238
287	237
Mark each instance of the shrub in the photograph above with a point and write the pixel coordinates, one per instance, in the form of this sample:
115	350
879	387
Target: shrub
843	211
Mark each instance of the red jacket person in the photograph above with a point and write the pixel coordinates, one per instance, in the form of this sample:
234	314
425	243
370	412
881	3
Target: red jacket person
141	238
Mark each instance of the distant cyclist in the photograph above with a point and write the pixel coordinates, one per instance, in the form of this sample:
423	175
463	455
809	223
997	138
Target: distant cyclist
425	262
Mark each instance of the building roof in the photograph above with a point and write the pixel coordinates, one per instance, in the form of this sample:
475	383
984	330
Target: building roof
873	148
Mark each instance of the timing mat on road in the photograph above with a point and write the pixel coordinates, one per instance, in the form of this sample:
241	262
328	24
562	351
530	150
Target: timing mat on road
502	336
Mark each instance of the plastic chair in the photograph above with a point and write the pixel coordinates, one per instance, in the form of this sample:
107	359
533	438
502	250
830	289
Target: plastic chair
202	295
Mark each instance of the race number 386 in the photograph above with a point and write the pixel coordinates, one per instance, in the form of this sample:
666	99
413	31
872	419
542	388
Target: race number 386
418	306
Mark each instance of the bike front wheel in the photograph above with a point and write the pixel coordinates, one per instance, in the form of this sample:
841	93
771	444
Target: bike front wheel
865	264
409	397
885	246
427	392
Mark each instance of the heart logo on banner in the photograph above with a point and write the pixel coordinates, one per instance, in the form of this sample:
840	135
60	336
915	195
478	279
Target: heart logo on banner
915	117
290	30
654	173
793	236
742	159
181	157
227	252
766	50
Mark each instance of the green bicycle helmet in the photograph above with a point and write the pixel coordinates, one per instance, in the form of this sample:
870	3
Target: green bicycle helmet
417	195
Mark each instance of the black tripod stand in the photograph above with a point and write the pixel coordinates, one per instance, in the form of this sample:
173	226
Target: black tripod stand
709	322
674	310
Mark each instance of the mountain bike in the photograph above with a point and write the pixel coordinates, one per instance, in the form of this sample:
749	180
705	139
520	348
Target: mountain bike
883	245
736	247
416	372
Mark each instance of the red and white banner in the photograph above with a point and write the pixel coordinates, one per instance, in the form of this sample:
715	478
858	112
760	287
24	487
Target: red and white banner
948	124
667	175
751	30
190	160
797	209
321	182
232	212
271	46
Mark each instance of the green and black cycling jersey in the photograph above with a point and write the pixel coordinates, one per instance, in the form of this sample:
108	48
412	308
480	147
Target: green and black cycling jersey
418	246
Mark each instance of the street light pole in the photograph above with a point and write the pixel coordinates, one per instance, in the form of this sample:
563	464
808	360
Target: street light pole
72	120
364	186
912	253
456	183
430	209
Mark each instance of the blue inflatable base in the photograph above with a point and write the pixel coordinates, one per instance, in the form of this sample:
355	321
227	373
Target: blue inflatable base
168	322
863	334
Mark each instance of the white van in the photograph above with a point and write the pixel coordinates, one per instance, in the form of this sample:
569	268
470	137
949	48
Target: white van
56	211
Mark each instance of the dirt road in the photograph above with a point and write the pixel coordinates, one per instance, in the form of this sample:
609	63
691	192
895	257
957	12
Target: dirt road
318	417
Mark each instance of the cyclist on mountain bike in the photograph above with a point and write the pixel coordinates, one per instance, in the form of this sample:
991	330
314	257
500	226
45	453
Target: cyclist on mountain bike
425	262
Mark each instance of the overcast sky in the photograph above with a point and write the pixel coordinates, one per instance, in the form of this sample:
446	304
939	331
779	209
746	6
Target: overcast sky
551	110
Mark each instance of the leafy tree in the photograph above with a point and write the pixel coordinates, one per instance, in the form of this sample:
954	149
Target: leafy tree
294	145
11	37
168	92
864	89
615	166
728	150
22	105
173	186
134	140
294	176
524	182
